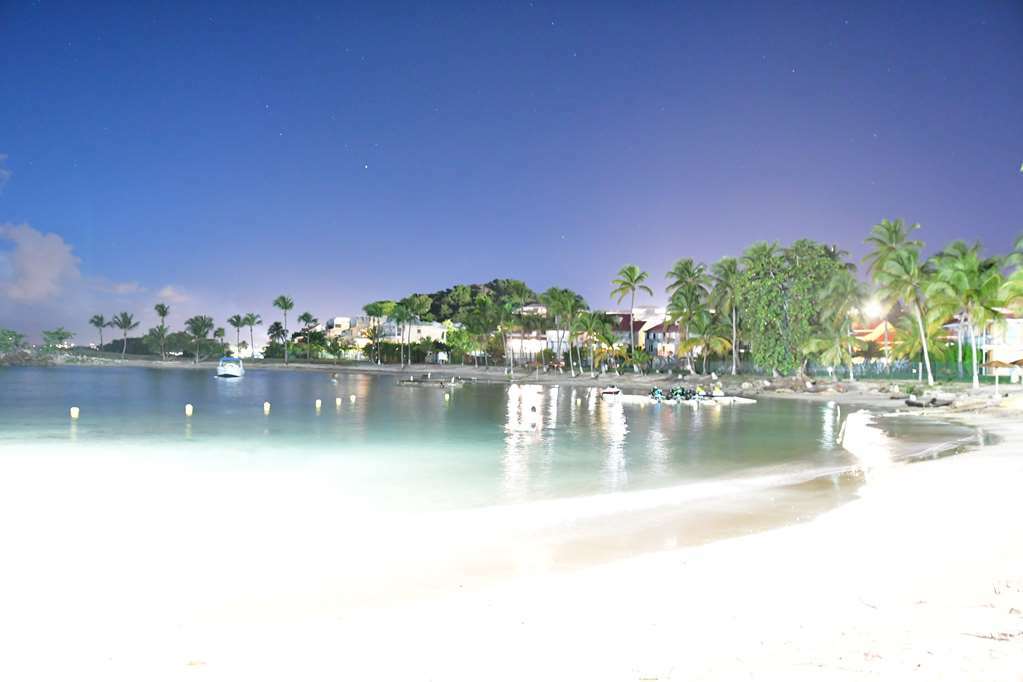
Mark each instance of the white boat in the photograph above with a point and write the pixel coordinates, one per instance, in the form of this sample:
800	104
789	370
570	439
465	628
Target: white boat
230	368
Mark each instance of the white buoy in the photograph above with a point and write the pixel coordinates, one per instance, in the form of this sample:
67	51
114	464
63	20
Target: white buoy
352	397
74	413
337	402
266	407
319	404
447	396
188	409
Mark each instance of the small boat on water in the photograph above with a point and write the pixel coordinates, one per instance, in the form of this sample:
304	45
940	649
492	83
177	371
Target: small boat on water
230	368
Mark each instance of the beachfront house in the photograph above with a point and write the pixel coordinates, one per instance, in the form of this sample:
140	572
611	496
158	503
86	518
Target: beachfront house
660	339
1003	341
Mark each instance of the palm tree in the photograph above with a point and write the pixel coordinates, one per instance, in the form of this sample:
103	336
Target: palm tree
725	275
574	306
162	311
707	336
158	335
905	278
125	322
375	335
285	303
199	327
99	322
219	333
951	306
251	320
401	316
308	322
907	342
887	238
237	321
589	325
509	312
973	285
276	333
842	297
687	286
630	280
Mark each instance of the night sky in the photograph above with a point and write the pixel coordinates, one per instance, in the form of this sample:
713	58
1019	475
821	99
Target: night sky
218	154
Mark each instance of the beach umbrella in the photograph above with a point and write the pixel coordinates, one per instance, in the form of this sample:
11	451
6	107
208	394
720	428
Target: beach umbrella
998	364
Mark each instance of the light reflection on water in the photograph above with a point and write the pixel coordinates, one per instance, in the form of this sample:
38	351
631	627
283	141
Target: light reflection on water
486	444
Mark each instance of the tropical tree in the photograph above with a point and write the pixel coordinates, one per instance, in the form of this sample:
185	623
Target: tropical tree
252	320
11	341
904	278
375	335
724	297
841	299
125	322
338	346
276	332
156	337
886	239
99	322
308	322
511	319
219	333
628	282
908	342
237	321
284	304
54	339
199	328
971	284
162	311
590	325
707	335
687	287
401	316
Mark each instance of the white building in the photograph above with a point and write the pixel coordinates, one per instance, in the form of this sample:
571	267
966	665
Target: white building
1003	341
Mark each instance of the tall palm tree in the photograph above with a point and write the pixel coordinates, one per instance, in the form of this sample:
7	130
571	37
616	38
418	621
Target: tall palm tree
973	285
375	335
125	322
574	306
99	322
509	317
237	321
308	322
707	336
841	298
285	303
887	238
629	281
951	306
724	296
276	333
199	327
251	320
687	286
401	316
219	333
589	325
905	278
162	311
907	342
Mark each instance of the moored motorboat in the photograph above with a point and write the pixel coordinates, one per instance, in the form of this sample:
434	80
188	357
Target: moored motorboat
230	368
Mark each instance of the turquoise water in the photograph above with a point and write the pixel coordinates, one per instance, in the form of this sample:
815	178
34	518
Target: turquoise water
411	448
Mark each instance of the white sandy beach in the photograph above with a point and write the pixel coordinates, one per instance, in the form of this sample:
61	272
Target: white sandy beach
921	577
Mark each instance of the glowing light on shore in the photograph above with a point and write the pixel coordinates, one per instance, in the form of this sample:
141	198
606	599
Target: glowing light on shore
873	309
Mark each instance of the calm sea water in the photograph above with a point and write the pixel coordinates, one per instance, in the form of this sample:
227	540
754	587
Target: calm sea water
412	448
